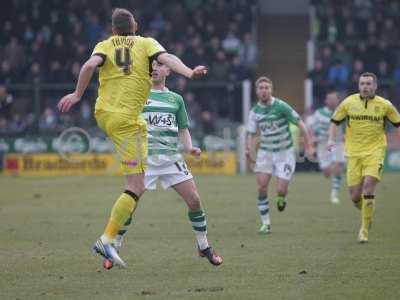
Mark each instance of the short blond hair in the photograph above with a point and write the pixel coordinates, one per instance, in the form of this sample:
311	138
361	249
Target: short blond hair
263	79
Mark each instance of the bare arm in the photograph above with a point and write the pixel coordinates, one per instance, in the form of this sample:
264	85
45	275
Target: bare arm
251	146
332	136
186	139
85	75
308	142
176	65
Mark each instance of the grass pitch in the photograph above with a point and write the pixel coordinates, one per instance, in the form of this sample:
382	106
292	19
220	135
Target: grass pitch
47	226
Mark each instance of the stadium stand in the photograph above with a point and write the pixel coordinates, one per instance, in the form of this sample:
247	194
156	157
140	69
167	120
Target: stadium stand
353	37
47	41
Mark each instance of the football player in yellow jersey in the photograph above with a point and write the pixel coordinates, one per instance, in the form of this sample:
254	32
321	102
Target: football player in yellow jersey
365	144
125	61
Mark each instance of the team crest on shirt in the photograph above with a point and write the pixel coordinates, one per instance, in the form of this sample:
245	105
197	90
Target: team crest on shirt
377	109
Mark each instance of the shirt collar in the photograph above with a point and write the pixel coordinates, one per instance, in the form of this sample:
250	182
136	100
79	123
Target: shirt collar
268	105
160	91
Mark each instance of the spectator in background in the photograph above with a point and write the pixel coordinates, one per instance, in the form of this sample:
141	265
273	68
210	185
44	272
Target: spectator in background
248	51
85	118
326	56
396	73
193	110
14	54
3	126
383	73
17	124
237	72
35	73
332	31
6	101
338	75
231	44
349	31
48	120
158	22
357	70
50	41
208	123
94	31
220	67
37	53
181	85
361	51
319	74
73	74
342	54
214	46
7	76
56	73
390	32
58	48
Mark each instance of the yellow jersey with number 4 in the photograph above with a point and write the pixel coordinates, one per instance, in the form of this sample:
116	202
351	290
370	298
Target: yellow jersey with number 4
365	130
125	75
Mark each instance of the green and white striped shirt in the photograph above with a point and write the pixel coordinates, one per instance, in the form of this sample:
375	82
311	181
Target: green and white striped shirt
164	113
273	122
321	120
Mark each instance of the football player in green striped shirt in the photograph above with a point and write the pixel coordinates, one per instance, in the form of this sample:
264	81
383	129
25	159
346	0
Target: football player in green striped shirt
167	125
330	163
271	118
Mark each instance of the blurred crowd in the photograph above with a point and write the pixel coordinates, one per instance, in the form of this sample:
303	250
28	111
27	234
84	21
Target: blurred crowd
352	37
47	42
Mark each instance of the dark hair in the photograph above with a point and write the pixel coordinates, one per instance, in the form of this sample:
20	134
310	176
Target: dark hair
123	21
369	74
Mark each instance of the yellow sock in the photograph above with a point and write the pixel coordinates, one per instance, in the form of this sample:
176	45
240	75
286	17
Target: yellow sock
120	213
367	211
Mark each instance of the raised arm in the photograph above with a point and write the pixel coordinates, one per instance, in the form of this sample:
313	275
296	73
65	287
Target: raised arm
85	75
176	65
186	140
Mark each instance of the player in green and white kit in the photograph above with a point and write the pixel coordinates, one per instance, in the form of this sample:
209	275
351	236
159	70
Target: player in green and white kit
167	125
331	163
276	156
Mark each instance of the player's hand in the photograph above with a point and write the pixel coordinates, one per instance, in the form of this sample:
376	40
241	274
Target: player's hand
67	102
250	155
247	152
199	72
330	146
309	151
195	151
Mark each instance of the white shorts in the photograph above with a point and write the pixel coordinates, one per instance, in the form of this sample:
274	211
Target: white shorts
168	175
326	158
280	164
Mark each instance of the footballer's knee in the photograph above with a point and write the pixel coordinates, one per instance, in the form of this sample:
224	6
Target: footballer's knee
193	201
327	172
138	188
369	186
355	195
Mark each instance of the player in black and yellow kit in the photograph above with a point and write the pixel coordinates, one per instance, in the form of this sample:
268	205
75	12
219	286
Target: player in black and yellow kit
125	61
365	144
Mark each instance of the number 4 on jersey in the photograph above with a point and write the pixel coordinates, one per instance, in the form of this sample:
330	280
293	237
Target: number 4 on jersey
123	59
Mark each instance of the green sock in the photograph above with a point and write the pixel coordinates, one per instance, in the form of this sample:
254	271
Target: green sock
336	183
199	225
